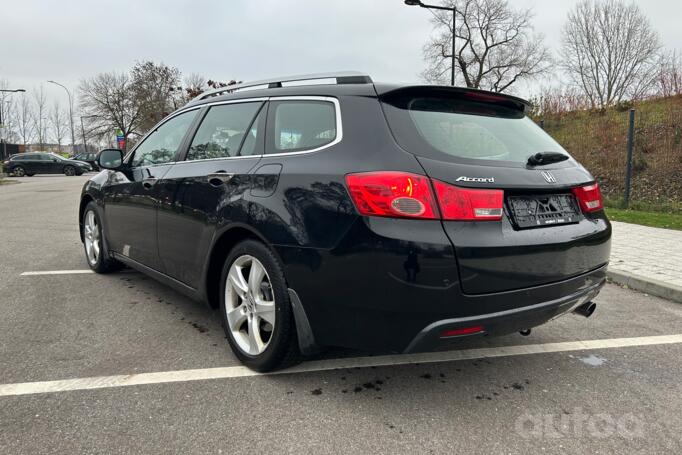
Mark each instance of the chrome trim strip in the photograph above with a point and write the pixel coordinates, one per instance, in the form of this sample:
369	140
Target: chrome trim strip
339	126
334	101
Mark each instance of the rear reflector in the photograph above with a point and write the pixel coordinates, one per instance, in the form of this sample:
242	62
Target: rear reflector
392	194
457	203
589	197
463	331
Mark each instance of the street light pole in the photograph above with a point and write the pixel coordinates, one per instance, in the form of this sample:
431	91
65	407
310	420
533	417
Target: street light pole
454	32
73	134
2	126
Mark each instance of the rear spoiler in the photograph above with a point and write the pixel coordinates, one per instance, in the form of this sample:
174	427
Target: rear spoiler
509	101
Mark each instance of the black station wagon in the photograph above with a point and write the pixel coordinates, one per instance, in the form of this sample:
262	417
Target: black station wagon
32	163
329	210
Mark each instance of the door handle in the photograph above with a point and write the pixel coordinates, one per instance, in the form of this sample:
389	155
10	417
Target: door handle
148	183
219	178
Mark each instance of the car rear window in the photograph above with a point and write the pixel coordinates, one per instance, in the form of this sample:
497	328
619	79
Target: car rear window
457	129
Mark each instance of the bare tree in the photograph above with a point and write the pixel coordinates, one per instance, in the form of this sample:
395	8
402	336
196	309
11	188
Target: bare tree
7	119
40	116
157	90
192	91
669	75
194	83
59	124
24	120
495	47
7	113
610	51
109	103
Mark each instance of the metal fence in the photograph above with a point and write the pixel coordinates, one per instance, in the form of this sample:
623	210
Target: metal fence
599	140
7	150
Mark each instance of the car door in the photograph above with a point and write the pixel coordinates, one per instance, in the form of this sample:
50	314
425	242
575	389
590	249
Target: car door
209	187
44	163
29	162
131	199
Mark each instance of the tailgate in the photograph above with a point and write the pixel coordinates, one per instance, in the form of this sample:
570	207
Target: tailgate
543	236
484	141
496	256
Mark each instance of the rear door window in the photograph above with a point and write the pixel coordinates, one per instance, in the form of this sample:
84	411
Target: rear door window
300	125
228	130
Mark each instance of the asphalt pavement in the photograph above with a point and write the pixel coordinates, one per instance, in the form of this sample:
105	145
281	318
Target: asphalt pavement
618	389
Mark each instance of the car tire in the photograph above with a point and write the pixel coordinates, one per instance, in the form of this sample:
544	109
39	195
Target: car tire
19	171
260	327
69	171
94	243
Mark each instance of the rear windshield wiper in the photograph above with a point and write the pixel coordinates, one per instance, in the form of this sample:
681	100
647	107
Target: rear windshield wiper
544	158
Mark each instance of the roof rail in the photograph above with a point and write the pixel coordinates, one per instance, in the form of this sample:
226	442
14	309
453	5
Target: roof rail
342	77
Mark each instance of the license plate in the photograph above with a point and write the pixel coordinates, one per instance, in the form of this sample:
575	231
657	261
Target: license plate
544	210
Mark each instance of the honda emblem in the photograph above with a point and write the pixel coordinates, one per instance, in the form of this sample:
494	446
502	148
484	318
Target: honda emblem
549	177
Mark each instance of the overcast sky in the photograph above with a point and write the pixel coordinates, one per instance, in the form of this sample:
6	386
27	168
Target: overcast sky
67	40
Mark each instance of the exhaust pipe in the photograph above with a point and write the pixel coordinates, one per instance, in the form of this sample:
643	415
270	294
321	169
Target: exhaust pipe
586	309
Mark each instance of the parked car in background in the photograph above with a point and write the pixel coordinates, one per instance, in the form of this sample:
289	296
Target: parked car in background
32	163
90	158
329	210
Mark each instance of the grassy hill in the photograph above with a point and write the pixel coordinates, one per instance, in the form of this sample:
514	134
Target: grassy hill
599	141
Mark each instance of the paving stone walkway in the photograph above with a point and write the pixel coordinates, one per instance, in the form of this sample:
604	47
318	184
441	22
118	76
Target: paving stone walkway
647	259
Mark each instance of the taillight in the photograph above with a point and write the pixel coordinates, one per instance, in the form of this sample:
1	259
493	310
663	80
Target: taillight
457	203
589	197
393	194
401	194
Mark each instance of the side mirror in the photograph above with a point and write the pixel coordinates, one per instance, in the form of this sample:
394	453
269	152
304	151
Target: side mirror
110	159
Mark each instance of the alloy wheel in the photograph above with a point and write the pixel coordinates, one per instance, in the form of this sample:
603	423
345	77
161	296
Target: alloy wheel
19	171
92	237
69	171
249	305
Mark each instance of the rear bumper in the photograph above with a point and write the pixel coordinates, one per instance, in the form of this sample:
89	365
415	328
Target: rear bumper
390	279
504	322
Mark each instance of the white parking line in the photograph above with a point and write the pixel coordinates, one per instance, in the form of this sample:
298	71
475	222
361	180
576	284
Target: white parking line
29	388
56	272
68	272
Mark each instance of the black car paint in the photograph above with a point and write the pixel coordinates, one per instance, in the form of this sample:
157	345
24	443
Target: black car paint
360	282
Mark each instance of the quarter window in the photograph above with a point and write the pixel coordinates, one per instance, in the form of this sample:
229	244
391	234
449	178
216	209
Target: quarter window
162	144
301	125
223	131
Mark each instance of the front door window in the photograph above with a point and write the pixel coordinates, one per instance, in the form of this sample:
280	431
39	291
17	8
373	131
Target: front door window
161	145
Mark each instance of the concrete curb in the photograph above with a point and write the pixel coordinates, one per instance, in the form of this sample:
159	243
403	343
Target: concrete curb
647	285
